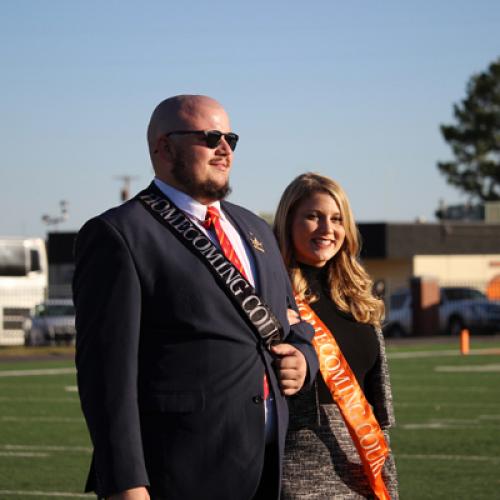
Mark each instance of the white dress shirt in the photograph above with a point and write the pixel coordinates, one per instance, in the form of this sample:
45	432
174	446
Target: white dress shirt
197	212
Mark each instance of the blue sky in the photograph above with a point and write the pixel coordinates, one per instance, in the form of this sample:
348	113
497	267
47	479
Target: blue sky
354	90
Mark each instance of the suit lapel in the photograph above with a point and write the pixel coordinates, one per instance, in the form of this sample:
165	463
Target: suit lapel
252	238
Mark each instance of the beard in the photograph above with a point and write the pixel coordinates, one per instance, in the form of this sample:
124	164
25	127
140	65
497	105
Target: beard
205	190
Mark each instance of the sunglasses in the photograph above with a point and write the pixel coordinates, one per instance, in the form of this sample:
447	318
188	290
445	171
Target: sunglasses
212	137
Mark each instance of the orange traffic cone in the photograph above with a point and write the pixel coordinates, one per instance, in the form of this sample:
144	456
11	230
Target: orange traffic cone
464	341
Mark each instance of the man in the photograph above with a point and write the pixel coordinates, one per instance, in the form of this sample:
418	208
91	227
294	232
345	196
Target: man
176	348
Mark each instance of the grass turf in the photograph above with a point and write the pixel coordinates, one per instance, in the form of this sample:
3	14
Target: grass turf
446	440
44	444
448	419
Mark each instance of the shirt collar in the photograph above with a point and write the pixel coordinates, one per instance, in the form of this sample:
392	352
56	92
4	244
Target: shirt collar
184	202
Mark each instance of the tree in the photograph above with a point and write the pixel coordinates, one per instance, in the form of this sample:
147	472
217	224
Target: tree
268	217
475	138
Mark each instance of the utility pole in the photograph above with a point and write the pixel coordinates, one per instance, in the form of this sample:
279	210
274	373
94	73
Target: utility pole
125	190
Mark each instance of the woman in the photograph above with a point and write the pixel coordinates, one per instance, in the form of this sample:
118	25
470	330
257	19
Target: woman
319	242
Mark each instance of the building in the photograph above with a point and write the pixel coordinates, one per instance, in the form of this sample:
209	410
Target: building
60	250
461	253
465	253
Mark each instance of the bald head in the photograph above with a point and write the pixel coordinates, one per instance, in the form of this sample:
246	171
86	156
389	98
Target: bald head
186	161
179	113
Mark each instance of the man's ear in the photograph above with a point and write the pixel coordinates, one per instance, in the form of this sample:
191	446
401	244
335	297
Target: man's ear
163	148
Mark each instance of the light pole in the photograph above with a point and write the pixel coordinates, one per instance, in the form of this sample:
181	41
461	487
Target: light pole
55	220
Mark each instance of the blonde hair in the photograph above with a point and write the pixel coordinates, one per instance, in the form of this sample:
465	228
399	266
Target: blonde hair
349	285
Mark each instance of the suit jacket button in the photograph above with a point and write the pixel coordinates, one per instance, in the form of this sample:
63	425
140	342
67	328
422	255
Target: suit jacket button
257	399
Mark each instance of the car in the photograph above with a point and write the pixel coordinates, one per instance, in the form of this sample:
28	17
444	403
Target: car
399	319
459	308
52	323
467	307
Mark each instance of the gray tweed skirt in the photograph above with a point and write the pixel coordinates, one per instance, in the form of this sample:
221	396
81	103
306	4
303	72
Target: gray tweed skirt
321	461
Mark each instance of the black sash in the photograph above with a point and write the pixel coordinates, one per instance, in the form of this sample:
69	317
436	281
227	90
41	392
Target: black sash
229	278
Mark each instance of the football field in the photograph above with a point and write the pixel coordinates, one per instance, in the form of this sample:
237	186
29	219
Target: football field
446	442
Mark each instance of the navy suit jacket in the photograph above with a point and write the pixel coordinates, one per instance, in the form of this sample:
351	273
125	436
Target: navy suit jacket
169	371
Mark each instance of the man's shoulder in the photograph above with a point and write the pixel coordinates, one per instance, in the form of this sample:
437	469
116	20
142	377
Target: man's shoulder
123	212
242	212
120	216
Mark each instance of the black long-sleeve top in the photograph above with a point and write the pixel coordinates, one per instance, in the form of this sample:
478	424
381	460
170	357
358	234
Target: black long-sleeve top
357	341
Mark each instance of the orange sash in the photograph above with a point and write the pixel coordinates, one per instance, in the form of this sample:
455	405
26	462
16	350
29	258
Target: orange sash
346	392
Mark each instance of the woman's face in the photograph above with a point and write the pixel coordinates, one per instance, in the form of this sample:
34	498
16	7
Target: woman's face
317	229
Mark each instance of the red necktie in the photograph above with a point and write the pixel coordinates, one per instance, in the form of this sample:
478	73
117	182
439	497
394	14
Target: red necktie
212	218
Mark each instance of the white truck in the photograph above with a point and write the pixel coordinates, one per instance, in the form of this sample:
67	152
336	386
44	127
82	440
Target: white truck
23	284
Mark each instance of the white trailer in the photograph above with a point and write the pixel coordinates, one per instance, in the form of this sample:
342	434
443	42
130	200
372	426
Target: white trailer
23	284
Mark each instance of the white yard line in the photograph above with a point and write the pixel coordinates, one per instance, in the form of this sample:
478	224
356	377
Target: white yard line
26	493
40	400
450	405
427	388
437	425
489	417
472	458
436	354
13	418
30	373
23	454
42	448
453	423
491	368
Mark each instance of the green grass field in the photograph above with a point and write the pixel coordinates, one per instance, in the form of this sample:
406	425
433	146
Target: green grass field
446	441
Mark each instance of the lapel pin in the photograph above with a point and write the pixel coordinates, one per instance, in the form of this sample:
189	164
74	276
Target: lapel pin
256	243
